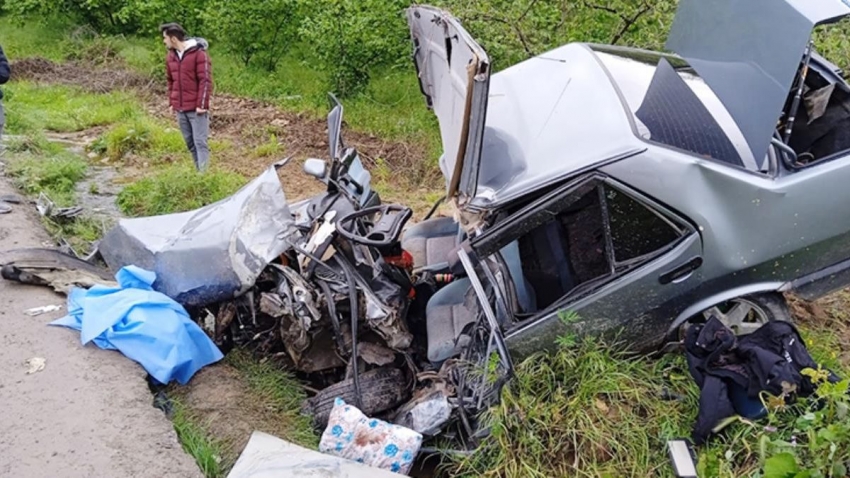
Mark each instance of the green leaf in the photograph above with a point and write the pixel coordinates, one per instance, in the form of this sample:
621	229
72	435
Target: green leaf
783	465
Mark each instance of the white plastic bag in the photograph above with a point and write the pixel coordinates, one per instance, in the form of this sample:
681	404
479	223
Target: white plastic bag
352	435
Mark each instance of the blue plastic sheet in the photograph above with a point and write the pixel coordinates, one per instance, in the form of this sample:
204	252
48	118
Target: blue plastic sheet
144	325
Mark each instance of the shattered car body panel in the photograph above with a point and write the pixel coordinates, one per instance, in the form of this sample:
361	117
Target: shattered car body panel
211	254
749	53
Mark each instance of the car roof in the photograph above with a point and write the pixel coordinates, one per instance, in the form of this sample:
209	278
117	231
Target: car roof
549	118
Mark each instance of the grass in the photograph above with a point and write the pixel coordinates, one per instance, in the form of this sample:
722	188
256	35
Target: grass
142	136
391	108
585	411
177	188
589	411
33	108
54	174
280	393
197	442
44	39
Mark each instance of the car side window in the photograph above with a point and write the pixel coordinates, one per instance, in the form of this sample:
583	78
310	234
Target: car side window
566	251
602	233
636	230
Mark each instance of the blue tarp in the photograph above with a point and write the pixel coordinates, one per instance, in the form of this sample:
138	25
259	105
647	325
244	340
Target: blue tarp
144	325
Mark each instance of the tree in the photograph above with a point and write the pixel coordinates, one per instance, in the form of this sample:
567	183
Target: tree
350	37
254	29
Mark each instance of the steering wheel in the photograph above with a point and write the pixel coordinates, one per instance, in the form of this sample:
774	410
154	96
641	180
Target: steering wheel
383	231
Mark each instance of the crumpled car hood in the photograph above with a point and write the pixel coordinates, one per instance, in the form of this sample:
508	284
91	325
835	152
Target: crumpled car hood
210	254
454	75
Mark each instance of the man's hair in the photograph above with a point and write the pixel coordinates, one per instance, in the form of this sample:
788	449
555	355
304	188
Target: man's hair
173	30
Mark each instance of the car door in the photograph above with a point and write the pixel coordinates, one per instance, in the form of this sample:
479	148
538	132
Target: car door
601	250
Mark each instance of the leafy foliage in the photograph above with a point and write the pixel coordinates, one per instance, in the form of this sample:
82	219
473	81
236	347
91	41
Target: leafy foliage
261	31
512	31
111	16
351	37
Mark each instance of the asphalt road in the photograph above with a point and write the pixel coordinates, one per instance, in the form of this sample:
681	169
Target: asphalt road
88	413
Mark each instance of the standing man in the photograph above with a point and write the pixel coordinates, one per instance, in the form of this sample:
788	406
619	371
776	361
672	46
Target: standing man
190	85
5	73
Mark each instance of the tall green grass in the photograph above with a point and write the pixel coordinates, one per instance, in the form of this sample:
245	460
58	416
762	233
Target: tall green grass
32	108
177	188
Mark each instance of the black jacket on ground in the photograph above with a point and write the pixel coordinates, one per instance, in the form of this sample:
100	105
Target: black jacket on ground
5	70
770	359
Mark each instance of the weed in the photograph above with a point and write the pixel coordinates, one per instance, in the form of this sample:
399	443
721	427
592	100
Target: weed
281	393
55	176
206	451
270	148
177	188
140	136
80	233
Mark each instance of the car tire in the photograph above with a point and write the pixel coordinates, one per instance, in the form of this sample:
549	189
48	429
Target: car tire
746	313
381	388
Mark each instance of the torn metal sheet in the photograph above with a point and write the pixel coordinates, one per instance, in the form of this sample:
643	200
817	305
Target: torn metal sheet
210	254
267	456
48	208
52	268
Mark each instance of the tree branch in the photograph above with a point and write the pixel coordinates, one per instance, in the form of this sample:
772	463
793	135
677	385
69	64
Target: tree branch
629	22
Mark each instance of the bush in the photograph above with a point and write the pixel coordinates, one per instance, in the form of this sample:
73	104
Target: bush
176	189
350	37
260	31
112	16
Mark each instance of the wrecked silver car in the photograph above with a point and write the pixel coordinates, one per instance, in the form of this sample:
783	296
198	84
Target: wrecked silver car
636	190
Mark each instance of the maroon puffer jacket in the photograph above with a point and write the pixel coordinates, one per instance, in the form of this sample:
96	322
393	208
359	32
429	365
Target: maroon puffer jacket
190	78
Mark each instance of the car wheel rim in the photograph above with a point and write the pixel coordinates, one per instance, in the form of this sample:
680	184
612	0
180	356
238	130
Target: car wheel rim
740	315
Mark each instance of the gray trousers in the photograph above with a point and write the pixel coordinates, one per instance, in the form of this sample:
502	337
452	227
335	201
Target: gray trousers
196	130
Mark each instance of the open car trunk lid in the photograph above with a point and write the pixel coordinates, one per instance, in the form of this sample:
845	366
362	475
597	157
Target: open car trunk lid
454	76
749	52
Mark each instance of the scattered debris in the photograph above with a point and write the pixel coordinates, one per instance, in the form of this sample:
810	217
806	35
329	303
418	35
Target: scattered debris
48	209
351	434
732	372
267	456
36	364
144	325
11	199
427	412
49	267
42	310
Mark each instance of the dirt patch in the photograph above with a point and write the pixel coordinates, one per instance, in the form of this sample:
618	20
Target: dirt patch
95	80
247	124
830	313
219	397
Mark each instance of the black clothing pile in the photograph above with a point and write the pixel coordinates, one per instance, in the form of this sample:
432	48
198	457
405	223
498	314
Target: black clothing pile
731	371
